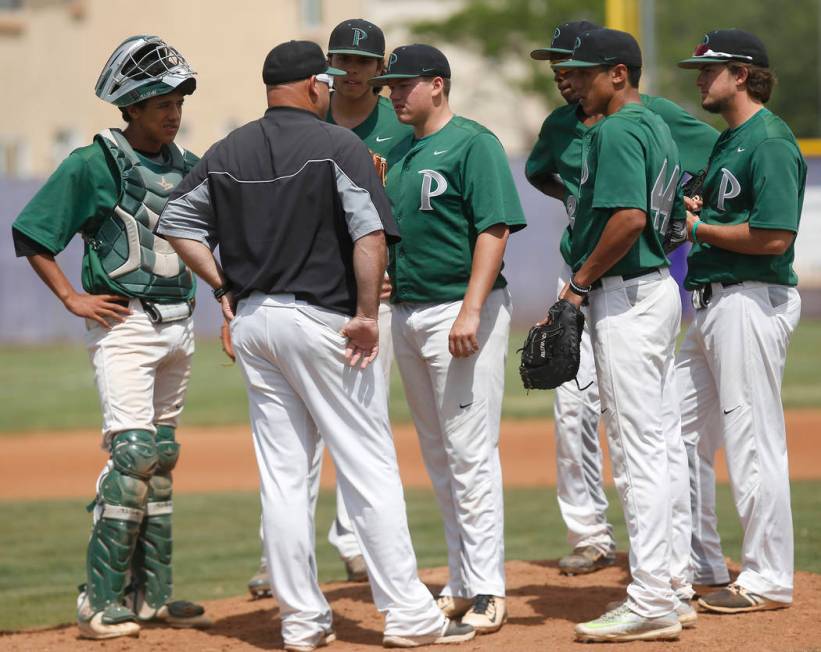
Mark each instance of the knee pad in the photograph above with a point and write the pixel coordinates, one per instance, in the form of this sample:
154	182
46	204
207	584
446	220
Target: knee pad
168	450
134	453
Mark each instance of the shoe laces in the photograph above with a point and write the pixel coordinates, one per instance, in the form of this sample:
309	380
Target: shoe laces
483	603
615	614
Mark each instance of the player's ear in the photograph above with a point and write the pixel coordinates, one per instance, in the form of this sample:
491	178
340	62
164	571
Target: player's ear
618	73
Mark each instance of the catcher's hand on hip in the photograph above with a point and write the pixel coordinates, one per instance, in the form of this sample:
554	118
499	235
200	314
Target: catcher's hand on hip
462	341
363	340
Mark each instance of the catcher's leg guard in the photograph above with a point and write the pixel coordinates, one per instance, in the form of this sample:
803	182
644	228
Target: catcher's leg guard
152	583
121	496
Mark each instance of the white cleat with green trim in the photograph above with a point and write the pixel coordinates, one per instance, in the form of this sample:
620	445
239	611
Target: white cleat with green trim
622	624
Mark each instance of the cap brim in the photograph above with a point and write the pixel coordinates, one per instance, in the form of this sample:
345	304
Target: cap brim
697	62
573	63
378	81
336	72
546	54
358	53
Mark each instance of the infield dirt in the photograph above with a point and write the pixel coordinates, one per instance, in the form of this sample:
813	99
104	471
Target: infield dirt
543	604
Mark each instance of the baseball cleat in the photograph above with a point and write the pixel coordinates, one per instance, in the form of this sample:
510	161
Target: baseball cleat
622	624
453	606
114	621
685	613
356	569
585	559
326	639
452	632
736	599
487	615
259	586
179	613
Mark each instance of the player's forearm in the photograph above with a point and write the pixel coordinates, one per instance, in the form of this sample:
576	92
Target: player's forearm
549	185
52	275
742	239
487	262
199	259
622	230
370	256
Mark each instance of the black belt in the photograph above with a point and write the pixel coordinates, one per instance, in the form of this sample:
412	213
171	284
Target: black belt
626	277
704	293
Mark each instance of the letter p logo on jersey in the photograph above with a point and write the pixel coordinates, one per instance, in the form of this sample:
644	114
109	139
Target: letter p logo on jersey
428	191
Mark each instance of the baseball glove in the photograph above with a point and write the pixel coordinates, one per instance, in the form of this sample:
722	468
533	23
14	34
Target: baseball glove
225	340
380	164
550	355
677	229
694	186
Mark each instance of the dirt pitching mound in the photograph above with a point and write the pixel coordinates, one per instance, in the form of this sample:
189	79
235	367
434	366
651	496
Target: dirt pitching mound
543	607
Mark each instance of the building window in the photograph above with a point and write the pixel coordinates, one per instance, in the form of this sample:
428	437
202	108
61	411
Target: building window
15	161
311	13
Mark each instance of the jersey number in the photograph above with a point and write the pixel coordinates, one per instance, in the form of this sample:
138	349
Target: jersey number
662	197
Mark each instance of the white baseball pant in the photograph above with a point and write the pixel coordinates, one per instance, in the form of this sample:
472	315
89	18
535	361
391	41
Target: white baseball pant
729	370
579	482
299	385
633	324
141	370
341	535
456	406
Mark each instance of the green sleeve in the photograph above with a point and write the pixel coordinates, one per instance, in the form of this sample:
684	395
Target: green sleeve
82	188
776	175
621	180
540	162
695	139
489	192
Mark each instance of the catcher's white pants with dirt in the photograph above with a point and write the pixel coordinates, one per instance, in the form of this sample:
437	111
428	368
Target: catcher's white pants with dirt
633	325
579	481
141	370
299	385
341	535
729	370
456	406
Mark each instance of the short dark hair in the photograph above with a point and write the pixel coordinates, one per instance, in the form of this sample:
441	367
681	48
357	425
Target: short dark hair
634	76
124	109
446	86
760	81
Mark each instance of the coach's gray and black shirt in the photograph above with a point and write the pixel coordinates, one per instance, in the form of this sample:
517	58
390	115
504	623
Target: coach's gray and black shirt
284	198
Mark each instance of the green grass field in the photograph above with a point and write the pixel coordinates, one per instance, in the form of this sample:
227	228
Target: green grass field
51	388
42	544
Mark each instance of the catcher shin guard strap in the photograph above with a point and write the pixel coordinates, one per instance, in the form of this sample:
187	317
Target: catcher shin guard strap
119	513
159	508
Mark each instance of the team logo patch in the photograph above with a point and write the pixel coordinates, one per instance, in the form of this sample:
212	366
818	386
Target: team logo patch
556	33
392	60
570	206
729	188
358	35
165	185
585	172
428	191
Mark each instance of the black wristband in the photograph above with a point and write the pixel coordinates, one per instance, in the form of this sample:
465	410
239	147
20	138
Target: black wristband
220	292
577	289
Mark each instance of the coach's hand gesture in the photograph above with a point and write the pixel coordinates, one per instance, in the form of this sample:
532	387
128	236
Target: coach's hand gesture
363	340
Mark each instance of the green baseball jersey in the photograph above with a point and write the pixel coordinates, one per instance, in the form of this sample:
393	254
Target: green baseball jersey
445	189
381	131
80	194
756	175
629	160
558	149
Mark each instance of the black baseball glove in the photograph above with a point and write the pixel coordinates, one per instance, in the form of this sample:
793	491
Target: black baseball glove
677	229
550	355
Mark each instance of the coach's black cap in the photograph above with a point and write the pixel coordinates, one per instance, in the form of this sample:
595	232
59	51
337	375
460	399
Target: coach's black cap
725	45
564	40
415	60
295	60
357	36
603	47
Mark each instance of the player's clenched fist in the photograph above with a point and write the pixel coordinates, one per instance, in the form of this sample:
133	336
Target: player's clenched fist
363	340
462	342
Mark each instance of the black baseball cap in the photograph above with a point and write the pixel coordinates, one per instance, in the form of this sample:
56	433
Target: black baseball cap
564	40
294	60
603	47
357	36
415	60
725	45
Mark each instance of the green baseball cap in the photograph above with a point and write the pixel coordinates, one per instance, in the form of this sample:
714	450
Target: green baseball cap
359	37
417	60
564	40
603	47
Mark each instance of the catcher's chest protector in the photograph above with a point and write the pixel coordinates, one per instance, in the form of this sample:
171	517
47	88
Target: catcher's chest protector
129	252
